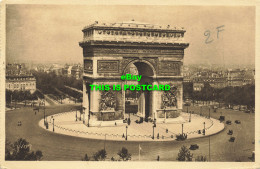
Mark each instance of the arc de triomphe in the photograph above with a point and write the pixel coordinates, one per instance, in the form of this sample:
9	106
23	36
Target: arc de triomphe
109	50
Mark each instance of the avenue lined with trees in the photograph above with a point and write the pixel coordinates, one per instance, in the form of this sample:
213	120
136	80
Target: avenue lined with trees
55	86
243	95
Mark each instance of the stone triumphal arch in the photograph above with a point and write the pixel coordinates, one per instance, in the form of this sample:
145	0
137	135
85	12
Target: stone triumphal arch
109	50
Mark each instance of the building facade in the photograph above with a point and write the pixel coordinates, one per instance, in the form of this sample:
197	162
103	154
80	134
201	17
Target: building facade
19	78
21	82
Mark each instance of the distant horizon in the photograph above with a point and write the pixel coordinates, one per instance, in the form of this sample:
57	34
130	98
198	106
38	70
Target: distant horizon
190	64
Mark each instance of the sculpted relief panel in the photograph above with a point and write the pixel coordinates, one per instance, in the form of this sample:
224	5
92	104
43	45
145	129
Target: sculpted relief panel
108	66
170	67
138	51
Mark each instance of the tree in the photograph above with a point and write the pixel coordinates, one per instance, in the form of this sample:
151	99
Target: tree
100	155
201	158
124	154
20	151
184	154
86	158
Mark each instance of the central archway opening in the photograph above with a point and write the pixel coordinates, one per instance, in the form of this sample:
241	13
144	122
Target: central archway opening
139	103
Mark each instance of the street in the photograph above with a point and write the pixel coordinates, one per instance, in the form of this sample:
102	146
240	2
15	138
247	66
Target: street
57	147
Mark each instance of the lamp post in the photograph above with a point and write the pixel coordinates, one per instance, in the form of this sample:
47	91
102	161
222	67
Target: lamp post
76	116
209	112
126	132
53	124
182	128
187	108
105	142
44	112
83	109
190	117
204	133
164	113
88	117
80	115
154	125
209	149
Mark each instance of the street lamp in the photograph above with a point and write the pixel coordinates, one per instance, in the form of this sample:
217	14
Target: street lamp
126	132
44	112
53	124
80	115
204	133
209	112
76	116
190	117
182	128
154	125
164	113
88	117
83	109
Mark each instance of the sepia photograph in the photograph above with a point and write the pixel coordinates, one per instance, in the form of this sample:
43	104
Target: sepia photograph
129	83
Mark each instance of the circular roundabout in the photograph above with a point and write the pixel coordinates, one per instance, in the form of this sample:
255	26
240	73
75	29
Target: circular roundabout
189	125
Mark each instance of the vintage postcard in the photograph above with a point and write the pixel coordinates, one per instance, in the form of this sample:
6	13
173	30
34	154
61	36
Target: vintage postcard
129	85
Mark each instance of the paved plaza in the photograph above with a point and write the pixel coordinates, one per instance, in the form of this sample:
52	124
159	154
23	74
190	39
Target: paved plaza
65	123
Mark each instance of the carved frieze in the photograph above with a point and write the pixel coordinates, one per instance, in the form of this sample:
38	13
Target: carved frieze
138	51
108	66
170	67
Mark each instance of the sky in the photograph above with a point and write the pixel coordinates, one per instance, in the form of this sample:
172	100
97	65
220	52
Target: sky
50	33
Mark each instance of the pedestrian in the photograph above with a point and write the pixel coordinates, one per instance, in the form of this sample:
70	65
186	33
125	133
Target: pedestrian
158	158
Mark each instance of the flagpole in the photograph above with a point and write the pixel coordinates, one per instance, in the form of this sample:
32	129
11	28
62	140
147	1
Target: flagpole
139	151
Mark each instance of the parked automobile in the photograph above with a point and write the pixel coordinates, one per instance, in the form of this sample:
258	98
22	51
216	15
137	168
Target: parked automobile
247	111
228	122
237	122
222	118
230	132
236	107
242	107
194	147
232	139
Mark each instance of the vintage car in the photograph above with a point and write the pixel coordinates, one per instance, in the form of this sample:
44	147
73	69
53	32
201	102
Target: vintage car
228	122
247	111
222	118
232	139
237	122
230	132
194	146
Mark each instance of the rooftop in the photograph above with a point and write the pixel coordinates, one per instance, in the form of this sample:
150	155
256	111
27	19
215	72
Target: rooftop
134	25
